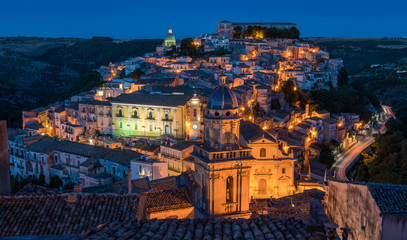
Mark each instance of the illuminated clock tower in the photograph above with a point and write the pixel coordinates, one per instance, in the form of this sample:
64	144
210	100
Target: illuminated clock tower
194	124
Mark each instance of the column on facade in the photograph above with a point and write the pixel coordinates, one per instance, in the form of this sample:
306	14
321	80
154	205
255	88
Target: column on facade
142	116
175	123
158	122
128	120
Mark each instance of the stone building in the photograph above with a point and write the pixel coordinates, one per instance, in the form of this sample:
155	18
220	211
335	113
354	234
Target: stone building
237	161
225	28
369	210
155	115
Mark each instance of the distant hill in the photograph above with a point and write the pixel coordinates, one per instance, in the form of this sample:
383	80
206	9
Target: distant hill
359	53
37	71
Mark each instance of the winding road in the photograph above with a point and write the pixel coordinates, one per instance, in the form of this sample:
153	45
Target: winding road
348	157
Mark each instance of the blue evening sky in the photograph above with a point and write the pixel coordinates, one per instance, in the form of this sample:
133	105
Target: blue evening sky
152	18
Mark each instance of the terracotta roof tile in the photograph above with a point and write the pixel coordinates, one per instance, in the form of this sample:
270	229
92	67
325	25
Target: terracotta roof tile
53	215
168	199
263	228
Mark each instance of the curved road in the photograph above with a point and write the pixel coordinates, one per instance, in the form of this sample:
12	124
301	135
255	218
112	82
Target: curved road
346	158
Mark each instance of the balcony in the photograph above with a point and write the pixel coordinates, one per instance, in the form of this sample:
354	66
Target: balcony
166	119
230	207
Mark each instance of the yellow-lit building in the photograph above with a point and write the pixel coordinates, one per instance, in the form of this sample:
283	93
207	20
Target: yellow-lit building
238	161
156	115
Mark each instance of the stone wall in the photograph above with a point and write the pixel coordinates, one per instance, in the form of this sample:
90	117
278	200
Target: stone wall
352	206
5	187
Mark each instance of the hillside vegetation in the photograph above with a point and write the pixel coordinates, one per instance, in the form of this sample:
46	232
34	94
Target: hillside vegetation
358	54
35	72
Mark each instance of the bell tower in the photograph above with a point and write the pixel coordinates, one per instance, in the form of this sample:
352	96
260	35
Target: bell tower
194	118
222	165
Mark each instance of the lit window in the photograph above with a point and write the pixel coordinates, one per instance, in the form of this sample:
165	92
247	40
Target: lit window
120	125
151	127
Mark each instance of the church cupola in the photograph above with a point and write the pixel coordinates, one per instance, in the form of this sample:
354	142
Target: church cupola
222	120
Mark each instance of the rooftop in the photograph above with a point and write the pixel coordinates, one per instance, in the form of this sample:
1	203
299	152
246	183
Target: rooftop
153	99
263	228
53	215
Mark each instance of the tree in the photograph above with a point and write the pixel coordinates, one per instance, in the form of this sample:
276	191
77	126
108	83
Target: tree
275	104
290	94
237	32
122	74
326	157
343	77
136	74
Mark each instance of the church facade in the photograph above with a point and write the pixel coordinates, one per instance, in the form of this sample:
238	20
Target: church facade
156	115
238	161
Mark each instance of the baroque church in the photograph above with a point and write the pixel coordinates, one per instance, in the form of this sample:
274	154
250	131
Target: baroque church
237	161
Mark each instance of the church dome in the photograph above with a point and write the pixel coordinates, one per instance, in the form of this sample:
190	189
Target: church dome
170	36
222	98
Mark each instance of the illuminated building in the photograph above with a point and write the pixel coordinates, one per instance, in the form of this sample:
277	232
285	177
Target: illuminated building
169	40
237	161
156	115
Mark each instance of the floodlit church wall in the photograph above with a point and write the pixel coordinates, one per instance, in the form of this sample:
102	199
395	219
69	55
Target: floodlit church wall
152	121
271	178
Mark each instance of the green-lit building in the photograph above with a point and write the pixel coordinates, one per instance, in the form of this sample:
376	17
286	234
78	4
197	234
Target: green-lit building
169	40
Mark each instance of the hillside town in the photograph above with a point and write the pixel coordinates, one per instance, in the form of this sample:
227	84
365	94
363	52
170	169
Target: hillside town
187	139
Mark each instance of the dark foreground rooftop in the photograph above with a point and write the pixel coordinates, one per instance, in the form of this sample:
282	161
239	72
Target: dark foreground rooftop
264	228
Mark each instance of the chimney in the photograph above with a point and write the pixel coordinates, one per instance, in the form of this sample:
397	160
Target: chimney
72	199
331	230
5	187
129	184
142	208
77	189
222	79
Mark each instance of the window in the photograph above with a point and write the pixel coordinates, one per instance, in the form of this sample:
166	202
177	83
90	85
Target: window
262	186
114	171
150	114
166	116
135	113
363	222
151	127
229	189
120	112
135	126
101	122
195	113
120	125
283	171
262	152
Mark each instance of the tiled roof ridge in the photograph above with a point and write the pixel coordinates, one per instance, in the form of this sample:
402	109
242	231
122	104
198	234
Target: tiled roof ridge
204	228
66	194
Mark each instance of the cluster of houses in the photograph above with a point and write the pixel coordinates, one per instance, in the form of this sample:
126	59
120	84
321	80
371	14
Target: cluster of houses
181	137
159	114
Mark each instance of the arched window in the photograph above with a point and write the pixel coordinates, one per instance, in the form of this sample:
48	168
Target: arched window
229	189
166	117
120	112
135	113
150	114
135	126
262	186
120	125
262	152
